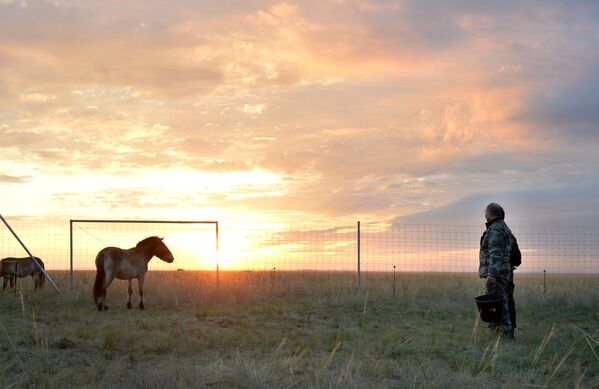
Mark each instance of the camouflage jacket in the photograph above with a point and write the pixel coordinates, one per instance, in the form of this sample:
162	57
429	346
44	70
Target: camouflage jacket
495	248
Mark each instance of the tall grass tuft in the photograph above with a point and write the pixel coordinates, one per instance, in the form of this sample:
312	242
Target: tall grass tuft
541	348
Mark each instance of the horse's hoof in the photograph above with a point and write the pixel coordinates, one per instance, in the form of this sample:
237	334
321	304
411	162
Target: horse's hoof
141	306
100	307
128	305
106	307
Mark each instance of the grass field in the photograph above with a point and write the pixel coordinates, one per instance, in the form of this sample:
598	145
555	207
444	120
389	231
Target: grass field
299	330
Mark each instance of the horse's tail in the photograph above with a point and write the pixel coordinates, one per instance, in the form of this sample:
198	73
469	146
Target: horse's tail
100	275
41	277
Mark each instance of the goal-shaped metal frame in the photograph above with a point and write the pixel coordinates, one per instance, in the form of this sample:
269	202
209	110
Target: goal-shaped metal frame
72	221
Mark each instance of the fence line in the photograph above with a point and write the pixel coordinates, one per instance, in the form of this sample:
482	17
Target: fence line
308	247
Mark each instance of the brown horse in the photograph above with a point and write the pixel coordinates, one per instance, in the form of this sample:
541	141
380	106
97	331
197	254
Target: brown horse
127	264
11	268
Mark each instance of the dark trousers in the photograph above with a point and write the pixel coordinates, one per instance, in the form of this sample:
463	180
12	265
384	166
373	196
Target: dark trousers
501	287
511	303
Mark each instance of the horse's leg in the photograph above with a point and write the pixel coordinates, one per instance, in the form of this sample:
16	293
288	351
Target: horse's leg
107	281
129	291
5	284
140	286
14	283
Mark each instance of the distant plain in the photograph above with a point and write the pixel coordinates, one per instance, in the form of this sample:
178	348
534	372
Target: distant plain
298	329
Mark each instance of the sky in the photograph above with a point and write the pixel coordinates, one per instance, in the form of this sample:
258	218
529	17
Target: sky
288	112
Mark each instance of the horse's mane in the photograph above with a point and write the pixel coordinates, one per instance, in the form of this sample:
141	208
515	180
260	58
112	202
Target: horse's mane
148	240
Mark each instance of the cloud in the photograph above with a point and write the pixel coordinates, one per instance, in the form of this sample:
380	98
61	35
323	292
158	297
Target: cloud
570	205
36	97
572	106
253	109
378	108
8	179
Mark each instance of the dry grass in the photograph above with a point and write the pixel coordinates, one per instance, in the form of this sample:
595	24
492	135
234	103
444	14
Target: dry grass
304	329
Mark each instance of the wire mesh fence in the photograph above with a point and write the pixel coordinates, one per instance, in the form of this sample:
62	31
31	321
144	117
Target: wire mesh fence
47	239
383	247
454	248
299	248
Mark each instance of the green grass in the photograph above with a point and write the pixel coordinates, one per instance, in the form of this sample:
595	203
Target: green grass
309	330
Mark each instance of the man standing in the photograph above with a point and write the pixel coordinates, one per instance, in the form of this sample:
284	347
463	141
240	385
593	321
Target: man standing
494	256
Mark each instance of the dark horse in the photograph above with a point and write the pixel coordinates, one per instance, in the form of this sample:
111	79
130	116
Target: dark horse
127	264
11	268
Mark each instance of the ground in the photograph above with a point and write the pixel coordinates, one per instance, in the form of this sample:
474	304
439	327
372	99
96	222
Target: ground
299	329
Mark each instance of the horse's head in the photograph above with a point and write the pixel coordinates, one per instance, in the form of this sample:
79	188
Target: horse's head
155	246
162	252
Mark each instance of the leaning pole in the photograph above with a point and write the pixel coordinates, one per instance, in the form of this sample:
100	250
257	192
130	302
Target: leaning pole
29	252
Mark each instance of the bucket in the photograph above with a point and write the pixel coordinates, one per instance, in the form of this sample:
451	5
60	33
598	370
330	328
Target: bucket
490	307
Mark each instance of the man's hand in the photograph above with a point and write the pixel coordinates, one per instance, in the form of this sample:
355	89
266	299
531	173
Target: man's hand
491	280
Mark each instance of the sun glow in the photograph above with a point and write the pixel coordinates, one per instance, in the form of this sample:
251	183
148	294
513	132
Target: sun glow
165	194
232	247
236	250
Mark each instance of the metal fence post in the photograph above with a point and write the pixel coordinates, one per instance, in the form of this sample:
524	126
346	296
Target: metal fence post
217	262
358	256
393	280
71	252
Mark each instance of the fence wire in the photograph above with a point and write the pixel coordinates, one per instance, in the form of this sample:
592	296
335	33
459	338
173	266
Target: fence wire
306	247
453	248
